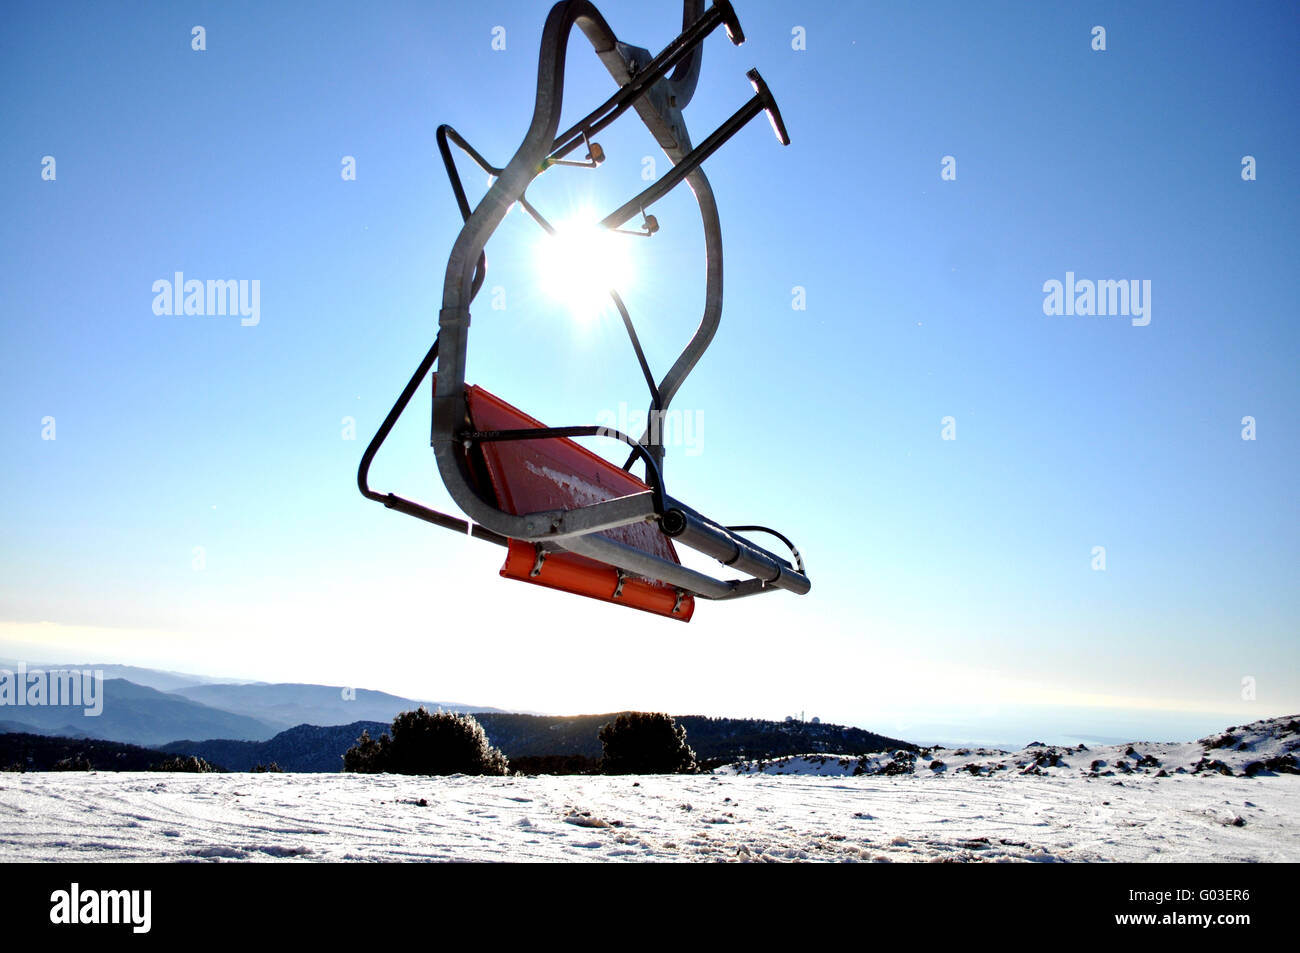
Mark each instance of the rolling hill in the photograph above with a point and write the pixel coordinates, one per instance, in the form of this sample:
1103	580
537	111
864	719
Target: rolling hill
287	704
138	715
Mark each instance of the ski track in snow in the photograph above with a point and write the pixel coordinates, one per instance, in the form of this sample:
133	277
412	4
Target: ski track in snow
73	816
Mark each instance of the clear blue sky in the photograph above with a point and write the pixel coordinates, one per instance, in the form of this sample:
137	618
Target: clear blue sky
953	579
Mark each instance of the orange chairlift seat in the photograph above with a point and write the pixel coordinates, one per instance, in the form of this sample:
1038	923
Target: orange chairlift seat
561	474
568	518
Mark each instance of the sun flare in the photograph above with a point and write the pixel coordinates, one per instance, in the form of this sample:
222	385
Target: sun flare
581	263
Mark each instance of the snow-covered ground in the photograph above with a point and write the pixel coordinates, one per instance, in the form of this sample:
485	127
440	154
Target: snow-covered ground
817	810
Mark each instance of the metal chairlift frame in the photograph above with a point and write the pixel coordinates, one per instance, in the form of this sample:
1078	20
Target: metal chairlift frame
644	85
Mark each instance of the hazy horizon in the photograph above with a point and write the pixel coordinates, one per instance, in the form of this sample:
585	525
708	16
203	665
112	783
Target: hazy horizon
1009	727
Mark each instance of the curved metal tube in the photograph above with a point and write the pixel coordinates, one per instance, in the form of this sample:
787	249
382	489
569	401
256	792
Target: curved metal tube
664	121
687	73
661	112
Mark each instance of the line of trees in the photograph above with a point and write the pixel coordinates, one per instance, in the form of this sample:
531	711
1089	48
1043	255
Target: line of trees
441	743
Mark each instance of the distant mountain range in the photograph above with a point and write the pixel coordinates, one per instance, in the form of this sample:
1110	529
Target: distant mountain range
308	727
150	707
288	704
138	715
309	748
163	681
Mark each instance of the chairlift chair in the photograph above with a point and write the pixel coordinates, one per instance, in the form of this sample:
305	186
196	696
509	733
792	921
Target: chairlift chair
568	518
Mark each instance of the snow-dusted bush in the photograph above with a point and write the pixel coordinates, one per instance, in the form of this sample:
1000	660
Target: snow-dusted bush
641	742
77	762
191	764
421	742
367	756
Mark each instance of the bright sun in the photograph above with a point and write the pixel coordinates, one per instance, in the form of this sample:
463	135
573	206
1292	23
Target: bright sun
581	262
